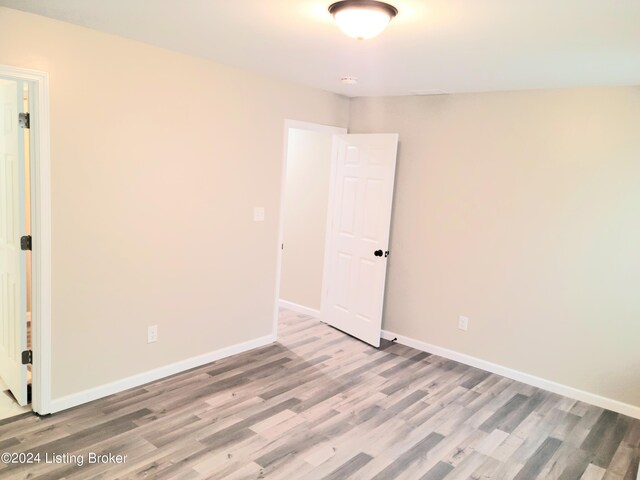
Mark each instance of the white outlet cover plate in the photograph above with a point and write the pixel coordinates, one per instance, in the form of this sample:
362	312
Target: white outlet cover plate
152	334
258	214
463	323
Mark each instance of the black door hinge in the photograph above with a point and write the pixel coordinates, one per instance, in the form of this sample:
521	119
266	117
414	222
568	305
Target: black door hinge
27	357
25	242
24	120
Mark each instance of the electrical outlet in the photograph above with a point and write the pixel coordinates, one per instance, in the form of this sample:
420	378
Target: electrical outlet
463	323
152	333
258	214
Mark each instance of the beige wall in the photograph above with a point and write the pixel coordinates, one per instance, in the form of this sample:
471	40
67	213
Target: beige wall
521	211
305	216
157	159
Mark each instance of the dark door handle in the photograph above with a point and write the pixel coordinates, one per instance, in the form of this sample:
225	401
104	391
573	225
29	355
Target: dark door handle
378	253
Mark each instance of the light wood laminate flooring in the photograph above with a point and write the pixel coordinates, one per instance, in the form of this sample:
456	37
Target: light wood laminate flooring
319	404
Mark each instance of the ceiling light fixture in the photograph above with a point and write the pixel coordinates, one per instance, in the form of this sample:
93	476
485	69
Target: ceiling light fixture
362	19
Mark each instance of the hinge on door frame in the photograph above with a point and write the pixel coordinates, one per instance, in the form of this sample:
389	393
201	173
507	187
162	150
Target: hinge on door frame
24	120
25	242
27	357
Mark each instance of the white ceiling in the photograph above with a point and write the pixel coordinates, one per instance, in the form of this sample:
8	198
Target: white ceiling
432	45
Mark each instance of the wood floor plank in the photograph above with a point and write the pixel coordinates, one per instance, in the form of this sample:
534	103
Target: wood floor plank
593	473
622	459
539	459
576	466
350	467
404	462
611	442
439	471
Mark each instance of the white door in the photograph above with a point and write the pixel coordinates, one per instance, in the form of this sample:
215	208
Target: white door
13	308
358	222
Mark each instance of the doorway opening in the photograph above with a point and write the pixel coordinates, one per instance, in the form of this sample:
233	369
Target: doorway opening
339	187
25	242
15	227
304	201
358	230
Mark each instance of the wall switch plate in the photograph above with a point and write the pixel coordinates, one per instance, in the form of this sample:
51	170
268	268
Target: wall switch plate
152	333
463	323
258	214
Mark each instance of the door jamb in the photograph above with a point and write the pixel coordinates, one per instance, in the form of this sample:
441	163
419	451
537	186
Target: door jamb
40	166
288	124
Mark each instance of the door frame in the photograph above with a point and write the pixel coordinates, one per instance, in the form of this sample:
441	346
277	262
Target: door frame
40	167
288	124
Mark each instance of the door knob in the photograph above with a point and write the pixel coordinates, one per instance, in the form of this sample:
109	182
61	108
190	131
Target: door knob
378	253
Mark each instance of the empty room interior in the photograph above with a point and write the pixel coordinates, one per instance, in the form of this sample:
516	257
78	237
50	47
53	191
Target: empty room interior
312	240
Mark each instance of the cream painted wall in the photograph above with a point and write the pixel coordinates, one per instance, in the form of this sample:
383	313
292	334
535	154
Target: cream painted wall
157	159
521	211
305	216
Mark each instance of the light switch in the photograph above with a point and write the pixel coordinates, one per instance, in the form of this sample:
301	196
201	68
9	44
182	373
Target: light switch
258	214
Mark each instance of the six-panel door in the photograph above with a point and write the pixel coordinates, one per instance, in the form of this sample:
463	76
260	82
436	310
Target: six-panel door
357	227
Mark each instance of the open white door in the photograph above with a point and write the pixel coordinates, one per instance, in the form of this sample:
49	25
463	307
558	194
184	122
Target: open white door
358	223
13	309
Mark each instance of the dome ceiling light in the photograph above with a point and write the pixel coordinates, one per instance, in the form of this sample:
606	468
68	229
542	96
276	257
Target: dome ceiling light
362	19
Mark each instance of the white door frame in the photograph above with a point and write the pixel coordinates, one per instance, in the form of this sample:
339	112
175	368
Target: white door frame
288	124
40	165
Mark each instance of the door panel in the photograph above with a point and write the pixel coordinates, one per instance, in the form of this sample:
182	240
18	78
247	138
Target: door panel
348	206
358	225
13	307
373	203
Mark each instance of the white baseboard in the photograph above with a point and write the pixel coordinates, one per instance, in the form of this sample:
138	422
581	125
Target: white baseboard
95	393
560	389
299	308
